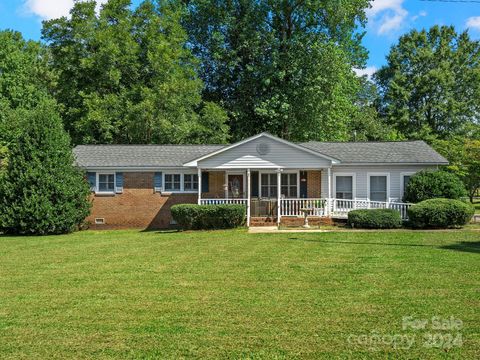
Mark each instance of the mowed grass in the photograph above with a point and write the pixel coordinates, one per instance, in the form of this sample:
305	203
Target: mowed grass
230	294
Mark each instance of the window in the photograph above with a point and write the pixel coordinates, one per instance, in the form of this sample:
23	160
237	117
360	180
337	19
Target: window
344	187
190	182
106	183
269	185
405	178
172	182
378	188
289	185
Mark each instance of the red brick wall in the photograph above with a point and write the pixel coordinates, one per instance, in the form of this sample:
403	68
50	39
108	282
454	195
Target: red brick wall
138	206
314	184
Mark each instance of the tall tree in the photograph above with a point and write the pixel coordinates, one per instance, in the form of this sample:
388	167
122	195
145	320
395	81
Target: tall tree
431	84
25	77
127	76
25	80
282	66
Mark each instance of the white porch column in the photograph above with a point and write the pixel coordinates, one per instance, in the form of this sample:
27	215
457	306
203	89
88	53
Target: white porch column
329	184
248	197
279	194
199	172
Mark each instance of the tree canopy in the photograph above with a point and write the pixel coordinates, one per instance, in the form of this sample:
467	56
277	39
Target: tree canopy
431	83
127	76
281	66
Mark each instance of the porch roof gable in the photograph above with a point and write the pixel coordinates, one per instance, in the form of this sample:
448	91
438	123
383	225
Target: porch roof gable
261	157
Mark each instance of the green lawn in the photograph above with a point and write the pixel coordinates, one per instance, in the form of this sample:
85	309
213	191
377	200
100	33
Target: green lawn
131	294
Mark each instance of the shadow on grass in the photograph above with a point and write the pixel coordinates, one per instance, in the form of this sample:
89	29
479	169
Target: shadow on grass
162	231
362	243
464	246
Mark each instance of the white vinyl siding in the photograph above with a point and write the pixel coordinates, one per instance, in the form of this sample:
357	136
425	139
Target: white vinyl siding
361	178
280	155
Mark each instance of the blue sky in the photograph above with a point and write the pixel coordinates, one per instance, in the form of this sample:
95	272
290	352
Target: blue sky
388	19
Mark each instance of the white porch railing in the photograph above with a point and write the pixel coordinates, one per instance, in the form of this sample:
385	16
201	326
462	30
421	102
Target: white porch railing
338	208
293	207
223	201
341	207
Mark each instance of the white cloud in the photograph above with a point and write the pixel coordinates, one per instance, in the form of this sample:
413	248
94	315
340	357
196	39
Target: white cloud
473	22
51	9
420	14
387	15
369	71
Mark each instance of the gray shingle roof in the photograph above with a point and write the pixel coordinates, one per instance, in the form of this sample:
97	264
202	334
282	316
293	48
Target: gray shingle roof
125	156
394	152
91	156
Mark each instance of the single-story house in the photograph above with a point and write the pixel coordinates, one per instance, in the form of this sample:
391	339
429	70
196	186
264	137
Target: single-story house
134	186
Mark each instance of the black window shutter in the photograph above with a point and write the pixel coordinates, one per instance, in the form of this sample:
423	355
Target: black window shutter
254	183
205	185
303	184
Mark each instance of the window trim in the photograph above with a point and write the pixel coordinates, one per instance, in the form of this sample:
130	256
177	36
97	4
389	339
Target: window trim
97	184
281	172
402	185
182	184
192	182
354	183
387	175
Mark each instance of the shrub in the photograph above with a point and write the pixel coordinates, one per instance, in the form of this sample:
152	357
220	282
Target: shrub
375	219
440	213
434	184
41	191
190	216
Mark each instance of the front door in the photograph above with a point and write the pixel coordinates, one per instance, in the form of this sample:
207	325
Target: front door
235	186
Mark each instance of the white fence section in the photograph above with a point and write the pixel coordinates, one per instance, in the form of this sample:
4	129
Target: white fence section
223	201
341	207
338	208
297	207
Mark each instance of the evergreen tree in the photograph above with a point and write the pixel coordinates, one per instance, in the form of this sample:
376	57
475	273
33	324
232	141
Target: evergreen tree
41	192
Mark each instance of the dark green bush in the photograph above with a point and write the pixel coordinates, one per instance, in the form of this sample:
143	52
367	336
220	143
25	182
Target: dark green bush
434	184
41	190
440	213
375	219
191	216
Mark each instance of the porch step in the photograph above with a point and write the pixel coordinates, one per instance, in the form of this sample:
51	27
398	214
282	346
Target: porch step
263	221
299	221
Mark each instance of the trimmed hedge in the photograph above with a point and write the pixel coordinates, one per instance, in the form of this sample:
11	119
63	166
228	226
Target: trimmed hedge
440	213
375	219
204	217
426	185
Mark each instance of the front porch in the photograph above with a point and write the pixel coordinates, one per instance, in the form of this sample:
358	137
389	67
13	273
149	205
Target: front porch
282	196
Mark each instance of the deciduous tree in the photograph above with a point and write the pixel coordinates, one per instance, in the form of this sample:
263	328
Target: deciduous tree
127	76
431	84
